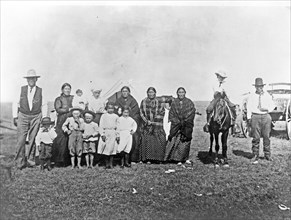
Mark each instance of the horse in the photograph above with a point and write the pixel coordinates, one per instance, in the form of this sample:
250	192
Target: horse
220	123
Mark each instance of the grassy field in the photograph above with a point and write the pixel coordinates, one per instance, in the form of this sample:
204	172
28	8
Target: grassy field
242	191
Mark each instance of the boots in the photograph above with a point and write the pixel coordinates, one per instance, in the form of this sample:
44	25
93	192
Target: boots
48	162
126	159
206	126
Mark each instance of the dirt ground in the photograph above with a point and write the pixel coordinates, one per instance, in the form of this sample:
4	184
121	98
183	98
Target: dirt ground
200	191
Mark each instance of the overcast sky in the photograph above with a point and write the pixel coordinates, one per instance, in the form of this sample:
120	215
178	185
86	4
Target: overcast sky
161	46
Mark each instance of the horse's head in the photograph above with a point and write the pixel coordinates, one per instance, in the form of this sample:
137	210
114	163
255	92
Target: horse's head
220	111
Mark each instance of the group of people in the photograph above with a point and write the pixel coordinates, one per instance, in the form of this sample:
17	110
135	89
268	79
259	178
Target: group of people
104	130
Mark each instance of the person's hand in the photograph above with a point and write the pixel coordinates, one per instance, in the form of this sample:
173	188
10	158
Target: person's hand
15	121
69	132
118	140
103	138
85	136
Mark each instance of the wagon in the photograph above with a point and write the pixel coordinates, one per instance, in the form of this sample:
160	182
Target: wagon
281	115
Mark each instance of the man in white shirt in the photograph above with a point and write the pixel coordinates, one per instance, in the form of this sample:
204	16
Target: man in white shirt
259	105
219	92
27	115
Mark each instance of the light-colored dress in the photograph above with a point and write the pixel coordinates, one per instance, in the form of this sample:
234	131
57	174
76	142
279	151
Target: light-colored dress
97	106
80	101
108	125
124	126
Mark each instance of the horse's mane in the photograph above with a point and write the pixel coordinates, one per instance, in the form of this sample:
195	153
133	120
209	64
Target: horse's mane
222	115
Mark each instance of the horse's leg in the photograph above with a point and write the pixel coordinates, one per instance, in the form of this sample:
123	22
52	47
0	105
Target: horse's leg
211	144
224	137
216	148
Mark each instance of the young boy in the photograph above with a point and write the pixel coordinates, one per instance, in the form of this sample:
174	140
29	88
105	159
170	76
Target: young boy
74	127
90	137
107	146
79	100
126	126
44	141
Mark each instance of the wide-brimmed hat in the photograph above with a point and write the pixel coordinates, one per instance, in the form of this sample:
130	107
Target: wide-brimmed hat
76	108
47	121
259	82
221	73
89	112
31	74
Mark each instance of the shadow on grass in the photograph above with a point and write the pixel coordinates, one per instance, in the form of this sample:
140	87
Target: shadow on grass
204	157
241	153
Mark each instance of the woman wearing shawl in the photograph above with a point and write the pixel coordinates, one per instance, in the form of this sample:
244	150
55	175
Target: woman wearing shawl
181	116
127	99
153	136
62	105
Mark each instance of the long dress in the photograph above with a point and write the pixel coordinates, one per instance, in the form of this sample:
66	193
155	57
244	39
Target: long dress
181	116
135	114
60	145
124	126
153	137
108	125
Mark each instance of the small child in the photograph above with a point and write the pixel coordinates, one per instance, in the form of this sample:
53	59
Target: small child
74	127
44	142
90	137
107	145
126	126
79	100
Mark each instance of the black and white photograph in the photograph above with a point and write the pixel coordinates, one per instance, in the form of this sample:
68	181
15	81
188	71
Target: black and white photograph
140	110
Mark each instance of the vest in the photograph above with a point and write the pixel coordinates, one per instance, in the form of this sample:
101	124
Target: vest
36	102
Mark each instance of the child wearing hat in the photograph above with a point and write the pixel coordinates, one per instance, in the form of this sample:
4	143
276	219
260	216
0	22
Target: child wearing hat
79	100
74	127
44	141
90	137
107	145
126	126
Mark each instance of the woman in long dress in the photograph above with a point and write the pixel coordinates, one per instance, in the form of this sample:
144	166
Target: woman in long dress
62	105
153	136
127	99
181	116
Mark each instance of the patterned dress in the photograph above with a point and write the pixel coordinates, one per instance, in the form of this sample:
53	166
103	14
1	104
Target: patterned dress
181	116
153	137
108	125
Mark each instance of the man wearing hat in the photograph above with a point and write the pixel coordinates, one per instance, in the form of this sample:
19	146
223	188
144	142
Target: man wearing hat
259	105
44	141
27	115
219	92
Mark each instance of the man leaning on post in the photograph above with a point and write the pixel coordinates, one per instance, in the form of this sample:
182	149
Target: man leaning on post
259	105
27	114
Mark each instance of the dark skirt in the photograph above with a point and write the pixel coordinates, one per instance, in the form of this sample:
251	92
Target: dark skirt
153	145
60	144
176	150
134	154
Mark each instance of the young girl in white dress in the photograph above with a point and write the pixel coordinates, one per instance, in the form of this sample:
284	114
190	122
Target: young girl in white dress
107	145
126	126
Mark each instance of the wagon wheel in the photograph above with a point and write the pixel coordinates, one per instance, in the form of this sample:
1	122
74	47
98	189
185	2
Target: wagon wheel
244	128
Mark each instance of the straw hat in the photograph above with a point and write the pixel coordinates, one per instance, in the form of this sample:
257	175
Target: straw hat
221	73
89	112
77	108
31	74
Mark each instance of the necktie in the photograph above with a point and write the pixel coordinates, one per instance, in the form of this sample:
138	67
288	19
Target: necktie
31	89
260	103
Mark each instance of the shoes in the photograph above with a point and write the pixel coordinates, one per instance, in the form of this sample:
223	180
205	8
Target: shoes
255	159
179	164
268	158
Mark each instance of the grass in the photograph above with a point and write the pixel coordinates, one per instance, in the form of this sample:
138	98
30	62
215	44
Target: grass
243	191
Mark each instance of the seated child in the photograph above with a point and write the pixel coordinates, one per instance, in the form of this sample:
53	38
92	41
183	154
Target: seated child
107	145
74	127
44	142
79	100
126	126
90	137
